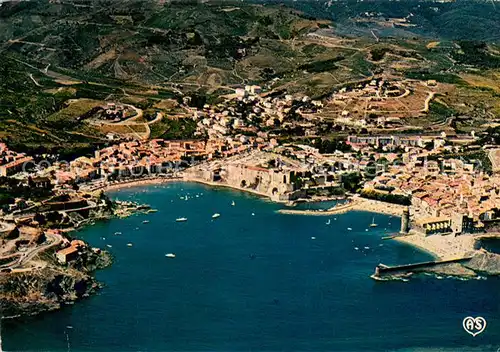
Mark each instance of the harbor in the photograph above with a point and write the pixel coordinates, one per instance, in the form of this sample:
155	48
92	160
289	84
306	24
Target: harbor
286	281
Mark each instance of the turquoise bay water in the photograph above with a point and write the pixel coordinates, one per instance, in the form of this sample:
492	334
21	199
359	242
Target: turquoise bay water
256	282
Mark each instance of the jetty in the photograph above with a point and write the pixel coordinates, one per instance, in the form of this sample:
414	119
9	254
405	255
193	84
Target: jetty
353	203
382	270
339	209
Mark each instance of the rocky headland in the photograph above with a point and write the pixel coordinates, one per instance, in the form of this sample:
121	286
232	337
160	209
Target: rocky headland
51	287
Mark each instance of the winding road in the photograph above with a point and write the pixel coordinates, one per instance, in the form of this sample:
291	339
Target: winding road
52	240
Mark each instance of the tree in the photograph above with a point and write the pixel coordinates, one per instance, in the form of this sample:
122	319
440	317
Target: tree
351	181
39	218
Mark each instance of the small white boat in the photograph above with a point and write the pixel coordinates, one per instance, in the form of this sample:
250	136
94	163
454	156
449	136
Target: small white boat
349	229
328	222
334	218
181	219
366	229
367	247
313	238
145	222
215	216
253	214
233	203
356	248
170	255
109	246
118	233
373	224
129	244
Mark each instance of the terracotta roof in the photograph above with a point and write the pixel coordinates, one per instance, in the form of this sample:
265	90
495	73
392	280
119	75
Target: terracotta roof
69	250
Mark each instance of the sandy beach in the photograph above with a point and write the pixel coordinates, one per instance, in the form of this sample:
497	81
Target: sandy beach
355	203
376	206
442	247
161	180
218	184
135	183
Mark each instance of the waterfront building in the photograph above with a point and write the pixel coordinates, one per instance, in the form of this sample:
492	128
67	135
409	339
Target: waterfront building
434	225
66	255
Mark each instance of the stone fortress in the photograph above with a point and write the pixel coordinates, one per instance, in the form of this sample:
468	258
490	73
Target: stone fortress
278	184
266	174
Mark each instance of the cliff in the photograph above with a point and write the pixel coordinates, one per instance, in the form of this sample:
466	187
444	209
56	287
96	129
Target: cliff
39	290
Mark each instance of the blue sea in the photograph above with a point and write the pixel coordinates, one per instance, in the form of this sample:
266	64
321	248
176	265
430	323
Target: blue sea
256	280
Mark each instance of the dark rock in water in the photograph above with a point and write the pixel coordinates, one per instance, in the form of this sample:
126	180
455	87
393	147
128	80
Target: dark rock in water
451	269
487	263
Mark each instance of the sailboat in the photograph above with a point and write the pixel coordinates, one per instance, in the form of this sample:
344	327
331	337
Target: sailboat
233	203
373	224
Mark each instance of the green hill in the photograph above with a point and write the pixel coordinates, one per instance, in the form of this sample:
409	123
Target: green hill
58	50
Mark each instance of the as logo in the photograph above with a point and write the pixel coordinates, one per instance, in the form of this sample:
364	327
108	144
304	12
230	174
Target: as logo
474	326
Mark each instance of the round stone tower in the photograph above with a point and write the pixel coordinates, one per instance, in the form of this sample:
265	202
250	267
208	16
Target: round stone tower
405	221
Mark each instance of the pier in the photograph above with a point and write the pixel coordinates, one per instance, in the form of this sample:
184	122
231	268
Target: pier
381	270
354	203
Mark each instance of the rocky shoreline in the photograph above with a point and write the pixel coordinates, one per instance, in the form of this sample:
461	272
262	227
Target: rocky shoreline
481	262
50	285
48	288
33	292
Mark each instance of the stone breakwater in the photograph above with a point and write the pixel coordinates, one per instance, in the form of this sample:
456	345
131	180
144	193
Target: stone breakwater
355	203
450	247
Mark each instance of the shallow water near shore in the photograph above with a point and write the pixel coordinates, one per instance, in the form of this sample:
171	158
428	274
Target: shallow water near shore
256	282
